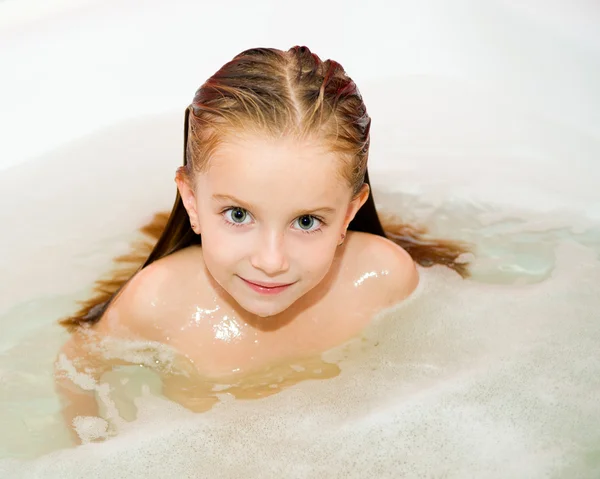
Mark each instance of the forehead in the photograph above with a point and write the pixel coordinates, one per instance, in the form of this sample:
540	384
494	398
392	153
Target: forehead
258	168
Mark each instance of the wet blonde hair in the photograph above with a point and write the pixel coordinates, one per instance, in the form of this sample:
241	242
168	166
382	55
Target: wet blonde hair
279	93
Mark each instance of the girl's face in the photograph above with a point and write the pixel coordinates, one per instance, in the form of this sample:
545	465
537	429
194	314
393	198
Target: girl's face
271	213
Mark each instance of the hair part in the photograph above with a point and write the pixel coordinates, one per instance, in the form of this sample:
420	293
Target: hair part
277	93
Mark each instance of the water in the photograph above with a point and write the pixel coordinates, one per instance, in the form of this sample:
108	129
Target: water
496	376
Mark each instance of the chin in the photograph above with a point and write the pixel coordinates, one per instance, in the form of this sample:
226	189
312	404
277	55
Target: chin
265	308
265	311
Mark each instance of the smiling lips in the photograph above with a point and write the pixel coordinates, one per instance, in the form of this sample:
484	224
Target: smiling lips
267	288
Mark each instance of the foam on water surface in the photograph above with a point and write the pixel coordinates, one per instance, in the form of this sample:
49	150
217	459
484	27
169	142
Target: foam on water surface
493	141
496	376
466	378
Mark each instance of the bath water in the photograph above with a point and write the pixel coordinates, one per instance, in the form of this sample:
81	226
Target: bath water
493	376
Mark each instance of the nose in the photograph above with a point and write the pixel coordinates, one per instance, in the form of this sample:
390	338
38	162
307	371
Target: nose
269	254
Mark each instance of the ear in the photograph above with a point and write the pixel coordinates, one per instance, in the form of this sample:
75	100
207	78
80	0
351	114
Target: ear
186	191
359	199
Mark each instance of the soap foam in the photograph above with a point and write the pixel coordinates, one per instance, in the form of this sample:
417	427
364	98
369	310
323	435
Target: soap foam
465	379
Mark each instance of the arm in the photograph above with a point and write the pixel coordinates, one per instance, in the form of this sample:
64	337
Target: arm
77	376
86	357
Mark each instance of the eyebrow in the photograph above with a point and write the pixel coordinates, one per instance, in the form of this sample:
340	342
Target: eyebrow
248	206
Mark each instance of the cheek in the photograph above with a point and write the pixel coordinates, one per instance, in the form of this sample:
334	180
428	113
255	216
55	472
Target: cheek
316	261
220	248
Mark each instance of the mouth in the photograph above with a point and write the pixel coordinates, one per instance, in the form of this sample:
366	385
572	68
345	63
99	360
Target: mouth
266	288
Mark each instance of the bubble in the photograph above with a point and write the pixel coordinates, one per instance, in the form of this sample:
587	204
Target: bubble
490	380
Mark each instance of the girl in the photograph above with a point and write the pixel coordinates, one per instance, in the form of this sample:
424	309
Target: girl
274	249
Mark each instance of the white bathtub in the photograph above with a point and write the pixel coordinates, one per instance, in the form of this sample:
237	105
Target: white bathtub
486	126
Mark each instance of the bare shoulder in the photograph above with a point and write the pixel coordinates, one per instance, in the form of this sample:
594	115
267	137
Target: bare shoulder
383	268
151	295
138	313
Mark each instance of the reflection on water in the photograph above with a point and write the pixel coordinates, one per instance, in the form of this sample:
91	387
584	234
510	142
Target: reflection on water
511	246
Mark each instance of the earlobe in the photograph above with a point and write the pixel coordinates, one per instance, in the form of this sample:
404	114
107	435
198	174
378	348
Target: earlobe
188	197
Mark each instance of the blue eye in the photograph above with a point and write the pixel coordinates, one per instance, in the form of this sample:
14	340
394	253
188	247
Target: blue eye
307	223
236	215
